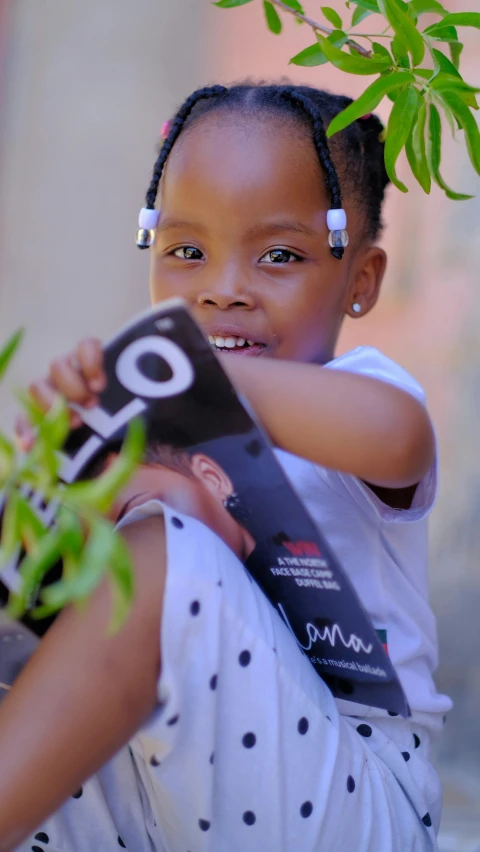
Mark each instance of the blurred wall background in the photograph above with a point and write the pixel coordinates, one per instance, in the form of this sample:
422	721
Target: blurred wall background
84	89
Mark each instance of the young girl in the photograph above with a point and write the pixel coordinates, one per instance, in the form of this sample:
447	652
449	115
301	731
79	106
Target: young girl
235	743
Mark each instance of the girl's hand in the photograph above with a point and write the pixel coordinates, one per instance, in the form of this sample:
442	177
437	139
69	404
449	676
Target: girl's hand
78	376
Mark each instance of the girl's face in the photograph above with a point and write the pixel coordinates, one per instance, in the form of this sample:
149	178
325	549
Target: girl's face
242	237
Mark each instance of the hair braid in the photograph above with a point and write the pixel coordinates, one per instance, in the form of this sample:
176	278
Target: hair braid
175	130
296	97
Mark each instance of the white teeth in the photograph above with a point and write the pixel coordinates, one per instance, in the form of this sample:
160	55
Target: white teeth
228	342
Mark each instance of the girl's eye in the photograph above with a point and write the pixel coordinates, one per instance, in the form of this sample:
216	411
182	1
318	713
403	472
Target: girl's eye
188	253
279	255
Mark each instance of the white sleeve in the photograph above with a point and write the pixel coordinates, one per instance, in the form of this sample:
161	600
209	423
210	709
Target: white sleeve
367	361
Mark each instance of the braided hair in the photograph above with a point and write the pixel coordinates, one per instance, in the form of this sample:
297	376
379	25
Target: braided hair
352	164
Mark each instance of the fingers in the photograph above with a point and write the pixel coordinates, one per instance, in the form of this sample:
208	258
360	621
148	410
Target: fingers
78	376
90	359
24	433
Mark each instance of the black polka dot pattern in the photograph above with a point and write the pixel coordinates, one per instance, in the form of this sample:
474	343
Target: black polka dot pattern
78	793
392	713
416	740
154	761
249	740
306	809
177	523
212	757
121	843
42	837
249	818
37	849
364	730
427	820
173	720
204	824
406	756
195	607
302	726
350	784
213	682
244	658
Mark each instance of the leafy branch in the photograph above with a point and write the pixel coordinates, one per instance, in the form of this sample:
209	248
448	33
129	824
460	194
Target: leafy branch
80	538
423	83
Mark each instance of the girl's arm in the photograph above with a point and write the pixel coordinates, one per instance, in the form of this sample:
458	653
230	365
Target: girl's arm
82	695
340	420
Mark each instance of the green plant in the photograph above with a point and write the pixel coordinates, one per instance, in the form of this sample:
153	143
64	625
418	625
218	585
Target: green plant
81	537
411	70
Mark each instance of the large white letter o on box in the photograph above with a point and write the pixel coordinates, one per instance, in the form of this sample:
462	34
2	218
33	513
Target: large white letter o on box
134	380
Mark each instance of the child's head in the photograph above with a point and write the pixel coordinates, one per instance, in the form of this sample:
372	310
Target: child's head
191	483
245	178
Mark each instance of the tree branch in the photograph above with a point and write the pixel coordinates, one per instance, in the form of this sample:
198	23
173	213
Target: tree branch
318	27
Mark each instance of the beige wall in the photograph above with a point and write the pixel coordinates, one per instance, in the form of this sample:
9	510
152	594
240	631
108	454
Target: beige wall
88	86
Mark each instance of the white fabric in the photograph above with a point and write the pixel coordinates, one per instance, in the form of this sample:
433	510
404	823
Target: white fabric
384	551
247	751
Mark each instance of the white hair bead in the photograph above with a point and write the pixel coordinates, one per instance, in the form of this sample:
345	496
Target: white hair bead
148	219
336	220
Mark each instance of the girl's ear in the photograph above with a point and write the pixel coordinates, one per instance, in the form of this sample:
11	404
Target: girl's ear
212	476
366	279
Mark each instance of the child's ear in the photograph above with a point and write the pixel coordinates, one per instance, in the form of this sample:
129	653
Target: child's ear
366	279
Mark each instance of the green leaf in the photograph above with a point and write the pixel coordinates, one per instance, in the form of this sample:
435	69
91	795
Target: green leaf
359	15
272	17
352	64
400	123
332	17
370	5
404	28
442	63
439	32
381	50
314	55
369	100
338	38
434	145
454	83
33	569
400	54
422	7
416	150
295	5
7	458
8	351
462	19
309	57
10	528
94	563
469	125
100	493
122	575
455	52
230	4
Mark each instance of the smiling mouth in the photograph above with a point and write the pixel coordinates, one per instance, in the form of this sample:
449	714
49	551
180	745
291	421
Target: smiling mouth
235	345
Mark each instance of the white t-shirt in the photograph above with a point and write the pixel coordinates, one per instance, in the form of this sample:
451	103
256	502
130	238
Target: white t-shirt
384	551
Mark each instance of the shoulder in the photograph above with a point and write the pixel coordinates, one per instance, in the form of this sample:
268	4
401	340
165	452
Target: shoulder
368	361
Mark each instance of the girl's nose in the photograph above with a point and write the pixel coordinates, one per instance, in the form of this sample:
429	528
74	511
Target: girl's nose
224	298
